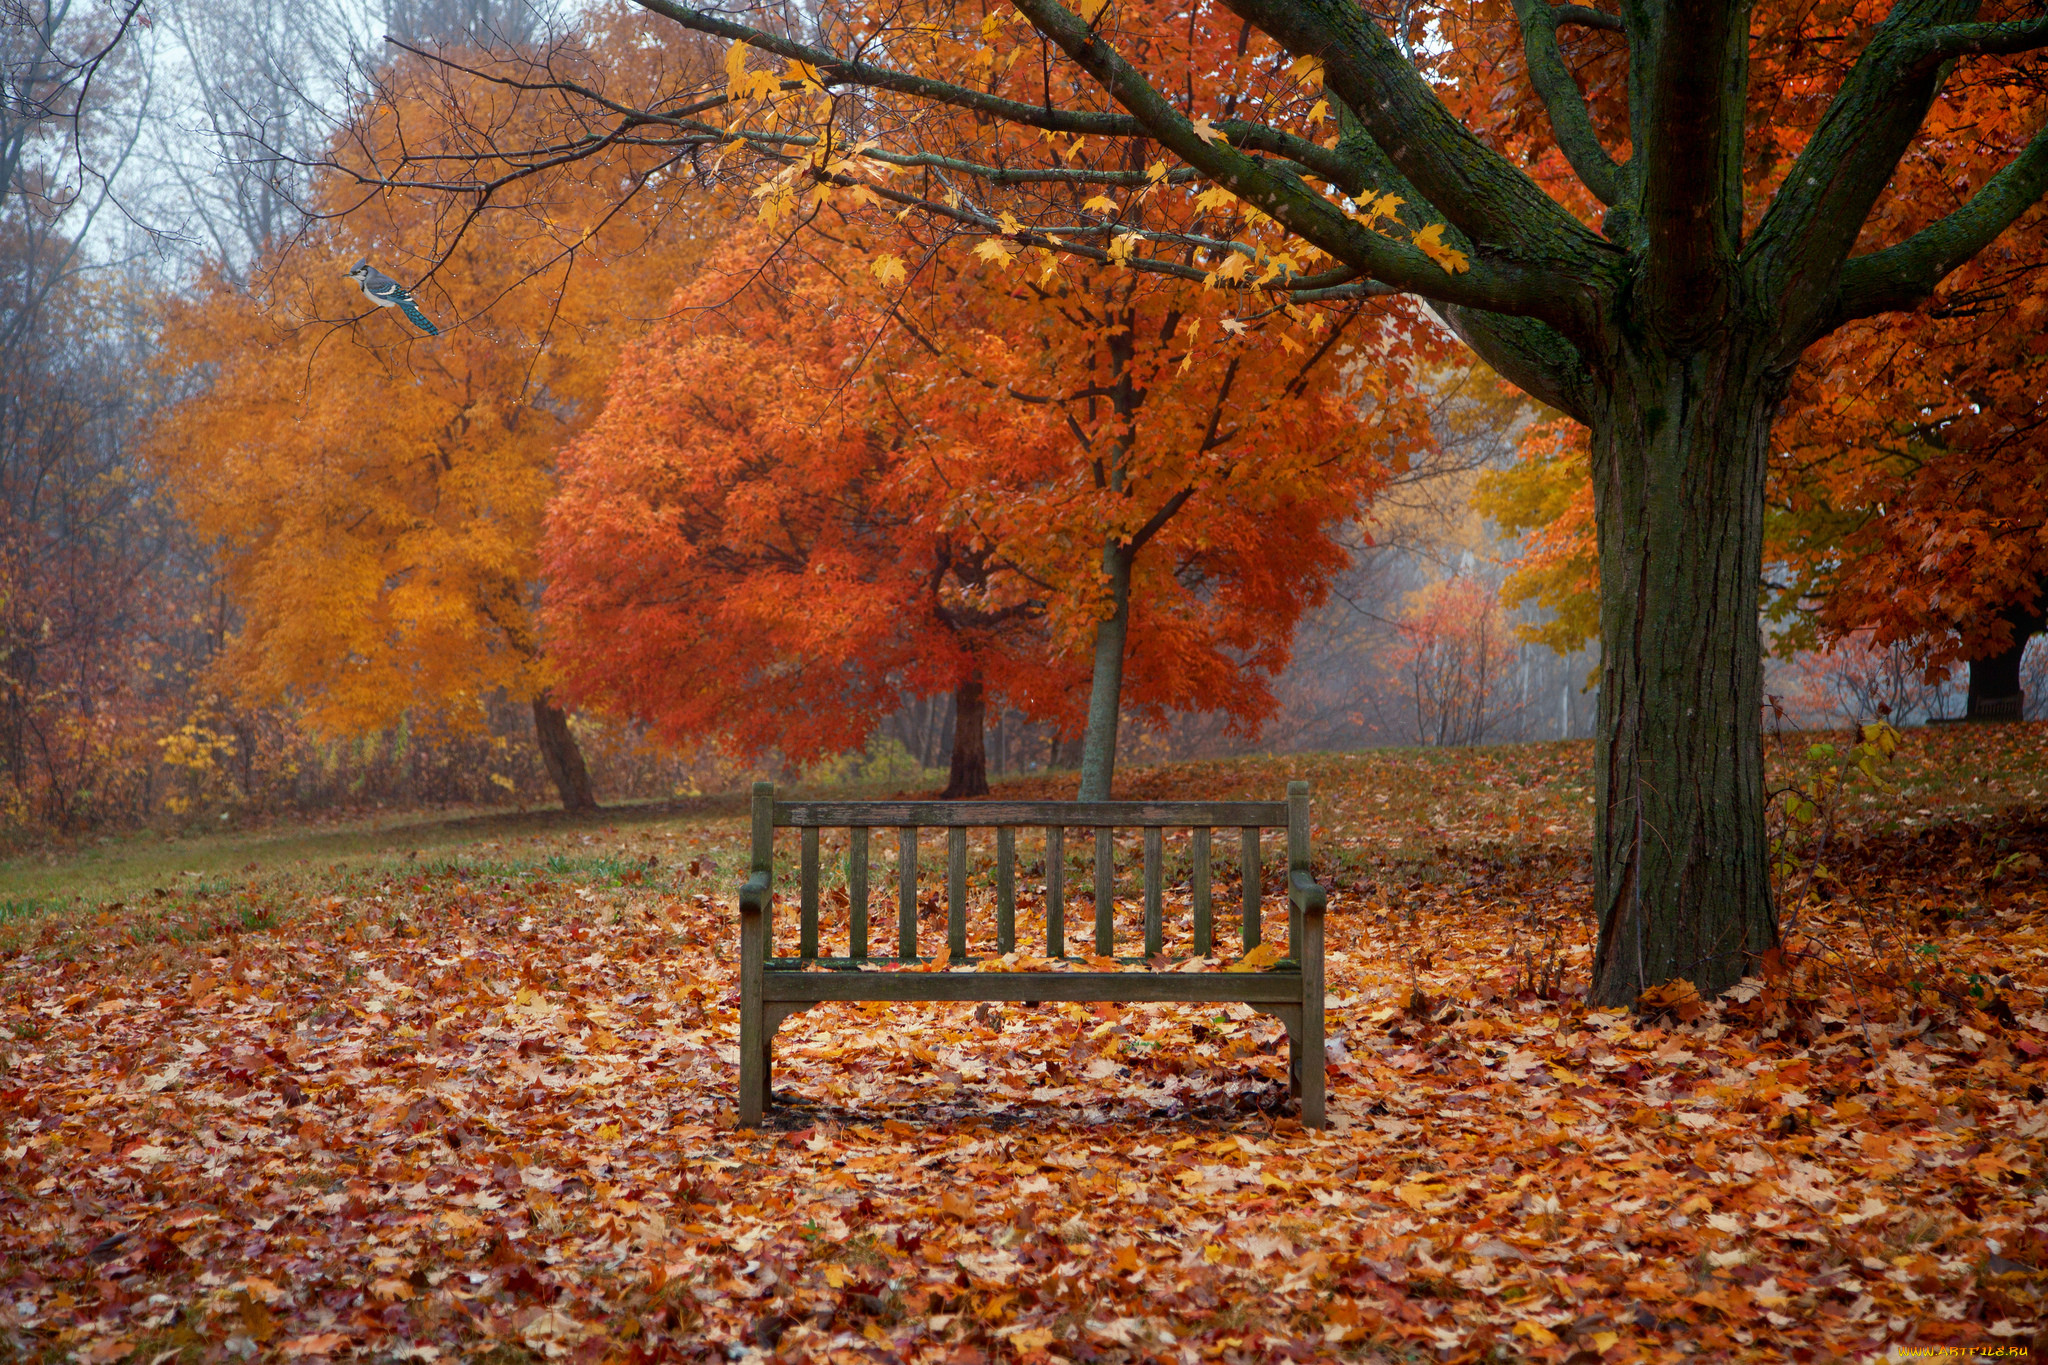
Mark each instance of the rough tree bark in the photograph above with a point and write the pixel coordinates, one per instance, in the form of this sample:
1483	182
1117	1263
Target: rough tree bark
1995	691
1681	869
969	774
560	754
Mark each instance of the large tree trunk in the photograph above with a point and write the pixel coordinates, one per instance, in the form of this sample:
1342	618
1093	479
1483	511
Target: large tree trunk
1681	864
969	775
1995	692
559	752
1106	687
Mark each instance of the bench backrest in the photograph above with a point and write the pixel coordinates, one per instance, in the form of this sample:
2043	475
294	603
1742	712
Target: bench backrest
1249	818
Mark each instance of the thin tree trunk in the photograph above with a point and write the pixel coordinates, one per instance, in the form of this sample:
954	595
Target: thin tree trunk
559	752
1995	692
1681	866
969	775
1106	687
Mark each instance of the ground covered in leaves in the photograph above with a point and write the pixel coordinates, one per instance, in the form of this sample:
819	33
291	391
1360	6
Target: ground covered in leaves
477	1105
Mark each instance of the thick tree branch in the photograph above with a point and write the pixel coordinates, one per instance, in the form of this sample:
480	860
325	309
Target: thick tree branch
1985	40
1531	356
1564	102
1584	16
1902	276
1475	188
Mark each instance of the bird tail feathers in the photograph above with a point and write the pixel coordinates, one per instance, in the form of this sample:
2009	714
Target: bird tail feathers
419	319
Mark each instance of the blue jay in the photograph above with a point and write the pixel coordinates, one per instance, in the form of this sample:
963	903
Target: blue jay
386	292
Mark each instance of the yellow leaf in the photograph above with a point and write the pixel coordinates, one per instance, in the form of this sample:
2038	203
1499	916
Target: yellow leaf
1415	1196
1121	246
1536	1332
389	1289
1234	267
1266	954
1431	241
1319	111
1026	1339
1215	197
1603	1342
887	269
1101	203
1276	265
1091	10
610	1132
735	64
836	1276
995	250
1155	171
1384	206
1208	131
1307	70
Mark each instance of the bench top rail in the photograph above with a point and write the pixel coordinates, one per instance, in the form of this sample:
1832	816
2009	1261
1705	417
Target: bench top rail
1006	814
956	818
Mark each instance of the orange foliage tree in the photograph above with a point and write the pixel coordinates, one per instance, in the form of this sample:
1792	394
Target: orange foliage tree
986	482
375	496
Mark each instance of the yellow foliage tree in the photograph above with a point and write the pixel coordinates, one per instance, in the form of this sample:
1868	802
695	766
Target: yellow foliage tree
376	495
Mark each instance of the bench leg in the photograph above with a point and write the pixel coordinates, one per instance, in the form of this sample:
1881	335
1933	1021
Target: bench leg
755	1029
1314	1063
753	1061
1290	1016
1309	1065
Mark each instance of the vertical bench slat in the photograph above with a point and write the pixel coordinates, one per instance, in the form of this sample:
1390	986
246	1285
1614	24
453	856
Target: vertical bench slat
1155	930
807	891
1297	859
1006	890
1204	923
906	891
1248	868
1105	893
956	892
857	891
1055	892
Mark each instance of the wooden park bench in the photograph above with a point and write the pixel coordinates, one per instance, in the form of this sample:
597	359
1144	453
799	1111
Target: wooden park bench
774	987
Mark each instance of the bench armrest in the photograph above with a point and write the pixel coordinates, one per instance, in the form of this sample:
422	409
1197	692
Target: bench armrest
754	894
1307	893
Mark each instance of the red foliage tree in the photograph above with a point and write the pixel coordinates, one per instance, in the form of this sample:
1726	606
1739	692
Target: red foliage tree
787	519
